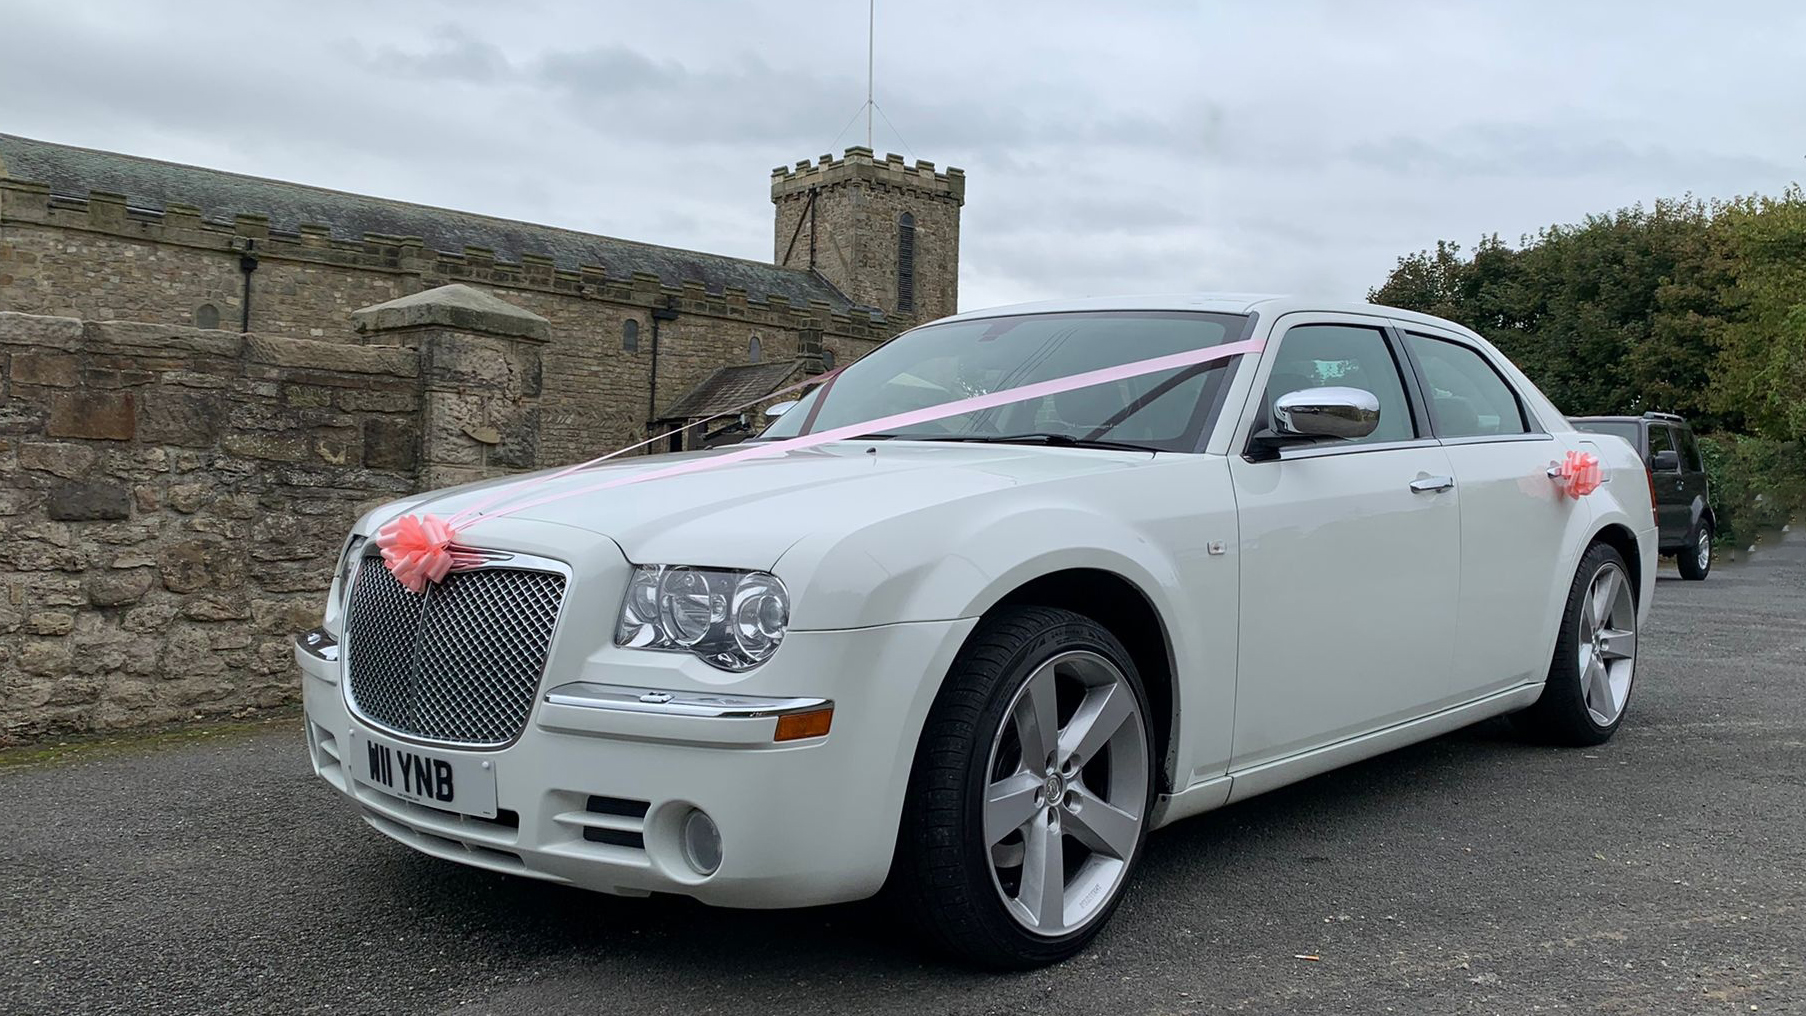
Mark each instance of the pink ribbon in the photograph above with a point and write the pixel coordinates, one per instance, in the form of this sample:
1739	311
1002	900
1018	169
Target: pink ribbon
1579	474
420	549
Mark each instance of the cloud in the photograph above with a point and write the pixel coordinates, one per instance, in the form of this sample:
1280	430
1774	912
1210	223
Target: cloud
451	54
1292	147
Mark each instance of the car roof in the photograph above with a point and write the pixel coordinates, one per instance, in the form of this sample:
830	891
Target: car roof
1609	419
1215	303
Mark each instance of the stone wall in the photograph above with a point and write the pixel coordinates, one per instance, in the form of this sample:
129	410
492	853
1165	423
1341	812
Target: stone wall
172	501
94	258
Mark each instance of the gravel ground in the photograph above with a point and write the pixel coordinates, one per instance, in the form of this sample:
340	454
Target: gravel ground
1470	874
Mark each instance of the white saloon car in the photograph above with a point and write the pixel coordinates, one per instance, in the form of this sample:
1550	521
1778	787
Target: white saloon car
983	656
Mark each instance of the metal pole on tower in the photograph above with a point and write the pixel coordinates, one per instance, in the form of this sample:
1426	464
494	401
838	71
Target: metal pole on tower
871	31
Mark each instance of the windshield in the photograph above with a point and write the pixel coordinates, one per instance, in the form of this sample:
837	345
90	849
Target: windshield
937	364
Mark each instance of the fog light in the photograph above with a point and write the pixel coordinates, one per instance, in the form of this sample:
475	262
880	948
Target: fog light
701	842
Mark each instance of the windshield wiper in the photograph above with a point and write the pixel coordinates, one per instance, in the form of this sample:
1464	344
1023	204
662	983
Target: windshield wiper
1038	437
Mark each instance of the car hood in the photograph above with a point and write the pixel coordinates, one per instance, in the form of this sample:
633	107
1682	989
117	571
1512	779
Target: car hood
747	513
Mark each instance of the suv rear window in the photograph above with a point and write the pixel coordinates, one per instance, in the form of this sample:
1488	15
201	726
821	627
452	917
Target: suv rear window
1626	429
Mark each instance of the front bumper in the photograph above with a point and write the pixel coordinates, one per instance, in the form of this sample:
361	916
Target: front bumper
802	823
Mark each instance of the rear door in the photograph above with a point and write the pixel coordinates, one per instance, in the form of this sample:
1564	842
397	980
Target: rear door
1350	552
1693	473
1516	526
1670	488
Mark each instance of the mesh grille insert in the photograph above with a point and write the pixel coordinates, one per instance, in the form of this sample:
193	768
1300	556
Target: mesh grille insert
460	664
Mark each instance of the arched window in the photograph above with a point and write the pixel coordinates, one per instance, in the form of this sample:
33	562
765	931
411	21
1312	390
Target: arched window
753	351
906	262
206	316
630	336
827	358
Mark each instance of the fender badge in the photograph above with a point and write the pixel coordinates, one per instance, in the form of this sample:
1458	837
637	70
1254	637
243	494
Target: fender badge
1216	548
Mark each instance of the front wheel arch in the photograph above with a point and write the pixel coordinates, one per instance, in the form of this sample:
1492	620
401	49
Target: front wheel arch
1128	613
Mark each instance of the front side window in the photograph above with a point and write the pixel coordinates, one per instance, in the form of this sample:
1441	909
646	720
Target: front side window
1344	356
942	363
1661	439
1467	396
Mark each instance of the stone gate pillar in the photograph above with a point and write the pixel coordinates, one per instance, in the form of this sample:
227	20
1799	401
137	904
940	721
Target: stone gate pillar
480	379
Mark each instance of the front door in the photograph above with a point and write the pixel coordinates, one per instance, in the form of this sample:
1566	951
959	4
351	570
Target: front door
1350	556
1673	506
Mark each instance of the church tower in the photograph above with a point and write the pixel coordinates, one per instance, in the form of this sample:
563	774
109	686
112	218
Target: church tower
884	232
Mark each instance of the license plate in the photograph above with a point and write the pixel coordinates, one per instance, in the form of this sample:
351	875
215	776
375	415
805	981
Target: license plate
463	785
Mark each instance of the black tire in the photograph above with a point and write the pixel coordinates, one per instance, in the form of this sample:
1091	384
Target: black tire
943	875
1688	559
1560	715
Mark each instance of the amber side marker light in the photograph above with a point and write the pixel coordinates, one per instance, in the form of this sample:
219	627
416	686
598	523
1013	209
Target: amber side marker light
796	726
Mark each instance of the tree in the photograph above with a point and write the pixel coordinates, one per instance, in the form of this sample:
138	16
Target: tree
1762	367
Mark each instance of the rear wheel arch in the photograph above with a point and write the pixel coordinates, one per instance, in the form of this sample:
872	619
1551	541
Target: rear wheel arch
1619	537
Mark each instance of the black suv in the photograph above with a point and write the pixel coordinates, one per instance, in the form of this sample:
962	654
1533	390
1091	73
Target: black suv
1677	475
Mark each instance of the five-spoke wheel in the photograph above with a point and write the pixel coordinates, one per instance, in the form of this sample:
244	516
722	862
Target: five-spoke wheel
1031	790
1068	781
1595	662
1695	560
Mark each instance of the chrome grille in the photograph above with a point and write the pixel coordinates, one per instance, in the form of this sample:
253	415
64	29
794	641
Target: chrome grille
458	665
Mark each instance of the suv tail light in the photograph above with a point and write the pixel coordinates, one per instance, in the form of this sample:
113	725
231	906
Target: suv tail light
1654	512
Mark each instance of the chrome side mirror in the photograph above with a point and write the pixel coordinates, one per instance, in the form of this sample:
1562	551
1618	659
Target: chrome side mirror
778	409
1326	412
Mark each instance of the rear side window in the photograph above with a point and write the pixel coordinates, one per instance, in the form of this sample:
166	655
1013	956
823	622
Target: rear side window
1467	396
1344	356
1661	439
1690	456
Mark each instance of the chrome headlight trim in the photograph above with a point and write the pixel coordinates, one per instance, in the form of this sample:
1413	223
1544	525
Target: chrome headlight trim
732	619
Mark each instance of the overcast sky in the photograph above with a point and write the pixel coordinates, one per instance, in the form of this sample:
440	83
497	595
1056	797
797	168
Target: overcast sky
1109	148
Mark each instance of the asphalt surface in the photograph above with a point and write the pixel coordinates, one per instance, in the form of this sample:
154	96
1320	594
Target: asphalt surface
1470	874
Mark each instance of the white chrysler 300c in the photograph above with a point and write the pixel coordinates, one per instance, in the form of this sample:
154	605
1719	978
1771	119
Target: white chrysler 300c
980	656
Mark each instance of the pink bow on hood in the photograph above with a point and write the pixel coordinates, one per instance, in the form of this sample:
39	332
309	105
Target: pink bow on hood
417	550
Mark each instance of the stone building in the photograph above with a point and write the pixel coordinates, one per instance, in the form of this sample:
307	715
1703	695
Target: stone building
864	247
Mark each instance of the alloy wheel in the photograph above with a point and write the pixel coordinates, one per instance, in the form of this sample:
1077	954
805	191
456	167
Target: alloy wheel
1067	793
1704	549
1607	643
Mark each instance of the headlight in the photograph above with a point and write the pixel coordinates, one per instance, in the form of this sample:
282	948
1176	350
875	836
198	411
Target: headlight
733	620
341	580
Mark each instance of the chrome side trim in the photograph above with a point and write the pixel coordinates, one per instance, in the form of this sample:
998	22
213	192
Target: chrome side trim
1452	442
619	698
1317	451
319	644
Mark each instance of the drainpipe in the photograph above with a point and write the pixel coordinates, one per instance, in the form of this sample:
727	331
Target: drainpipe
666	313
247	263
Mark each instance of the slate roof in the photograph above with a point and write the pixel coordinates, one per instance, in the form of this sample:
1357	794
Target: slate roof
730	387
153	185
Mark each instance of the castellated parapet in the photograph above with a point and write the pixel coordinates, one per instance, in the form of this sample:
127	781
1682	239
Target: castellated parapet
884	232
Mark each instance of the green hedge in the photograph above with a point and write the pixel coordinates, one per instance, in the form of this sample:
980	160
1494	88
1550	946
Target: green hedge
1757	484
